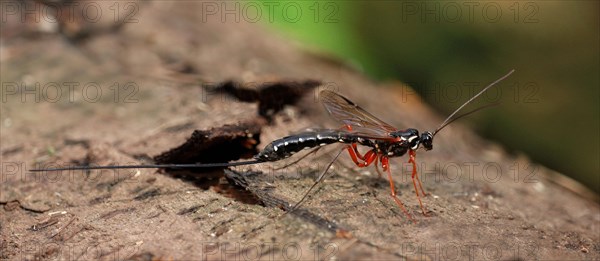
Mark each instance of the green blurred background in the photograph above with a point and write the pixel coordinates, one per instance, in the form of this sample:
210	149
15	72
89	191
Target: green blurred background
550	106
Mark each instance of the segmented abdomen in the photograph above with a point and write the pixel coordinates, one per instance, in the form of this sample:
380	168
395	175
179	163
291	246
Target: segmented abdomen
287	146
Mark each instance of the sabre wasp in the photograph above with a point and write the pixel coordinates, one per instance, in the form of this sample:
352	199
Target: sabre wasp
359	128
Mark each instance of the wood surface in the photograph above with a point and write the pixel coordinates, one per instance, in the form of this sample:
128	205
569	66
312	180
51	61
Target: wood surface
483	203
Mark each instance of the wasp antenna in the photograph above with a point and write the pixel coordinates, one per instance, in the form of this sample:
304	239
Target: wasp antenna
448	120
465	114
155	166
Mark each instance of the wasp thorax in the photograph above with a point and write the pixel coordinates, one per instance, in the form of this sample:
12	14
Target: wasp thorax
410	138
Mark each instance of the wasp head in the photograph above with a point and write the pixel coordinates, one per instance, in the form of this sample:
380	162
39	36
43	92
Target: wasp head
427	140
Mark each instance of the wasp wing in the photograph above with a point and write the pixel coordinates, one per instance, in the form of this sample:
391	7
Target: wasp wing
362	122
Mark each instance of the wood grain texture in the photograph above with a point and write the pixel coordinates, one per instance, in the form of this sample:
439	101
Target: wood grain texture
484	203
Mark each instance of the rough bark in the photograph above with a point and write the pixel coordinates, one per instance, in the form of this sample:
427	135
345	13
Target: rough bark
483	203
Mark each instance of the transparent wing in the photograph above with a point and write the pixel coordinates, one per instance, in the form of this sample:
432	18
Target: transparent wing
362	122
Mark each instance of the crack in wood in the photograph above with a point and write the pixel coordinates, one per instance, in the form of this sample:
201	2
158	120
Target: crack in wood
272	97
220	144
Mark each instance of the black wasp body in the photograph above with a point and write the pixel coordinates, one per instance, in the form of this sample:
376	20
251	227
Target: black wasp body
285	147
359	127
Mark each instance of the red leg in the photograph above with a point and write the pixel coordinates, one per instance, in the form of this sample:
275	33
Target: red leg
369	157
354	146
411	159
355	155
386	167
377	167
